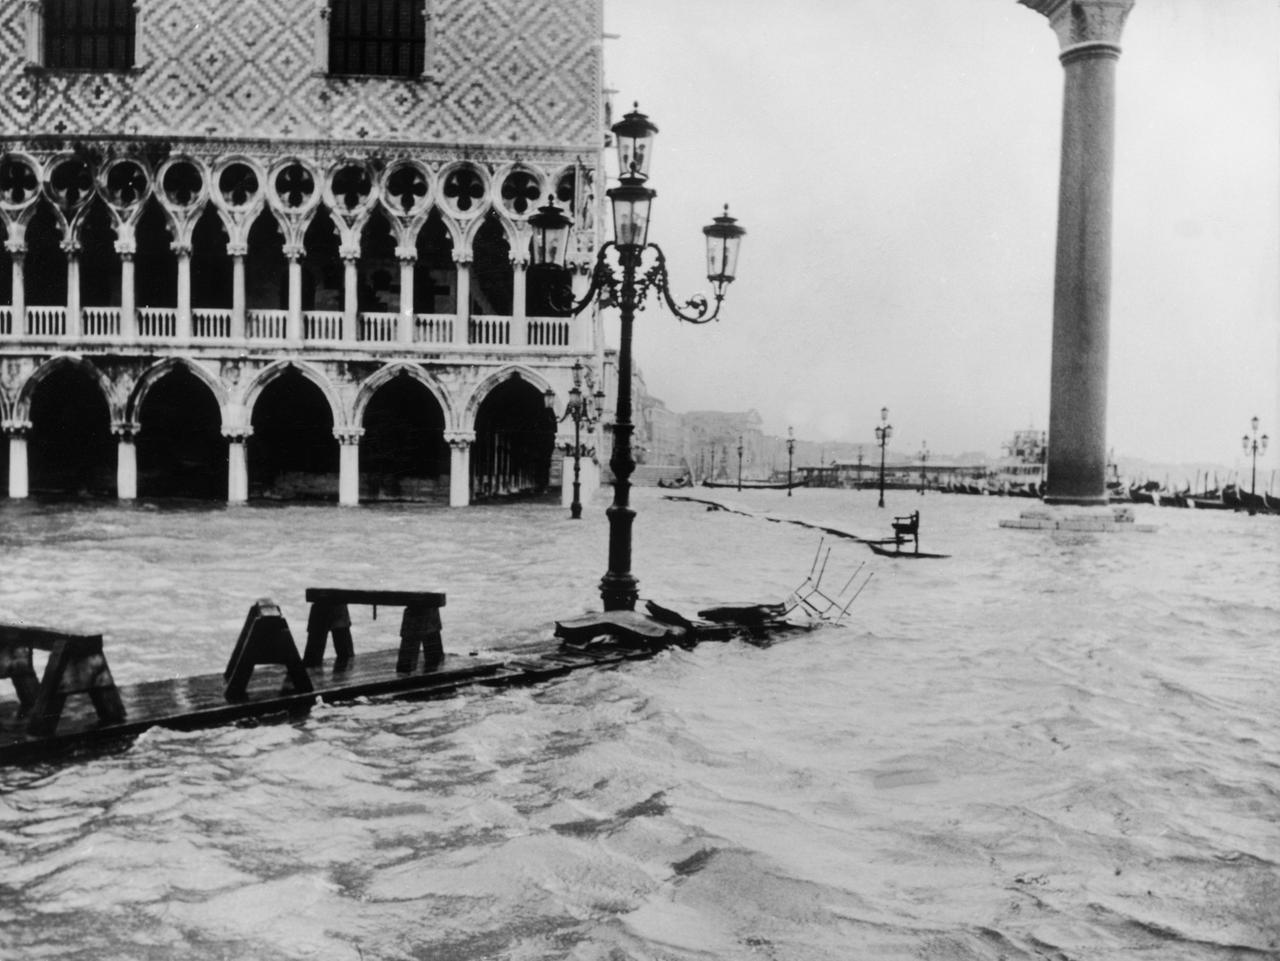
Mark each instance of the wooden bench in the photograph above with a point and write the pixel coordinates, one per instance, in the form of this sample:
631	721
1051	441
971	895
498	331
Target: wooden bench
76	665
419	627
907	527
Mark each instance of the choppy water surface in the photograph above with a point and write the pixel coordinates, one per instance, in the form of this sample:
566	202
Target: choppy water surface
1048	746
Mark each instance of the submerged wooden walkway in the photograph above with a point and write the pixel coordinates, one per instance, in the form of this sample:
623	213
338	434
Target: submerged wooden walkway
277	681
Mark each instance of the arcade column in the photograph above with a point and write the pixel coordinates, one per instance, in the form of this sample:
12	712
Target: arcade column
1089	35
16	431
348	464
459	442
237	464
126	461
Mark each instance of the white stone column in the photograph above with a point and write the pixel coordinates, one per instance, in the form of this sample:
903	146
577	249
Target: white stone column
348	464
459	442
350	303
18	253
462	323
237	464
237	252
408	257
17	431
519	303
293	326
1089	36
184	291
126	462
128	293
72	328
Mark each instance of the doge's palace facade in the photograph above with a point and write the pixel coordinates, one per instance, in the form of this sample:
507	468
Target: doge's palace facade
279	247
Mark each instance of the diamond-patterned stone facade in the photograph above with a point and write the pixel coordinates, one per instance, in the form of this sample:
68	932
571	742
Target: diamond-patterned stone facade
500	73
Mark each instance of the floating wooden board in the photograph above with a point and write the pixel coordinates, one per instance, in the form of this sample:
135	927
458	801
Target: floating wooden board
194	702
904	555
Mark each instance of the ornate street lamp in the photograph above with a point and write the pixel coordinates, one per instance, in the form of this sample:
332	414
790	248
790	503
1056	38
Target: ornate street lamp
580	412
739	462
632	201
884	430
924	459
791	449
1255	445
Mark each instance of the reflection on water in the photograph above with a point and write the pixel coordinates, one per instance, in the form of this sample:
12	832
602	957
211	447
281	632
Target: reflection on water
1049	746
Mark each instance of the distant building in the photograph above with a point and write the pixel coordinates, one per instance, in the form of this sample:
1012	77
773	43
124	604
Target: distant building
279	248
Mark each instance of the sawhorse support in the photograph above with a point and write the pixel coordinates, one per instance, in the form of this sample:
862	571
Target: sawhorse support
265	639
76	665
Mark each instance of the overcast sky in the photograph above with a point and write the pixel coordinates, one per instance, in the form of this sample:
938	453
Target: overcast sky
895	163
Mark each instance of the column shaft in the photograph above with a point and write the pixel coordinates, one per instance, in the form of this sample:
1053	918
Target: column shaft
237	297
128	299
126	468
72	328
294	329
19	301
349	472
18	466
237	471
1077	457
350	303
461	325
404	332
459	474
519	306
184	295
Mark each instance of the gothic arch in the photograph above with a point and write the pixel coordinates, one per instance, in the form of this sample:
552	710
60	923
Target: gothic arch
167	366
386	375
22	406
277	370
486	387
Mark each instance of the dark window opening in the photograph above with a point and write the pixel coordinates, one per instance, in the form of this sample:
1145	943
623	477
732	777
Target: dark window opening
381	37
89	34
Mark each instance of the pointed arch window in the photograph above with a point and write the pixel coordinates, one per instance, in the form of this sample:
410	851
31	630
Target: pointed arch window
89	34
378	37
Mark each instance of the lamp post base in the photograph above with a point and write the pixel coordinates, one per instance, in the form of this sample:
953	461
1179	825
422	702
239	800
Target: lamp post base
619	591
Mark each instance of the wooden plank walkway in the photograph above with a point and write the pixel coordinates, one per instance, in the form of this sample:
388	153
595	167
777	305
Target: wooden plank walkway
194	702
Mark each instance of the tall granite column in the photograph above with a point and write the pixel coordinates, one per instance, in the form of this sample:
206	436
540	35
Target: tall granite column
1089	34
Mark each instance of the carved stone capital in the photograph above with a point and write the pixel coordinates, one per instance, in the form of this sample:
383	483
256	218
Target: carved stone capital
462	258
181	248
125	431
460	439
16	428
126	248
16	248
1085	26
237	435
348	436
407	255
237	250
70	247
294	252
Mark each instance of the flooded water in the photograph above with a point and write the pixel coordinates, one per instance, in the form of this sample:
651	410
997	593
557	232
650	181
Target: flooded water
1049	746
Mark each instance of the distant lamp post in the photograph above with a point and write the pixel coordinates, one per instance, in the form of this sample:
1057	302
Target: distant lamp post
1254	445
791	450
924	460
884	430
581	413
632	201
739	463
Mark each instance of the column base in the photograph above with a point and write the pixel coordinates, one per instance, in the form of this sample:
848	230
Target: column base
1097	519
